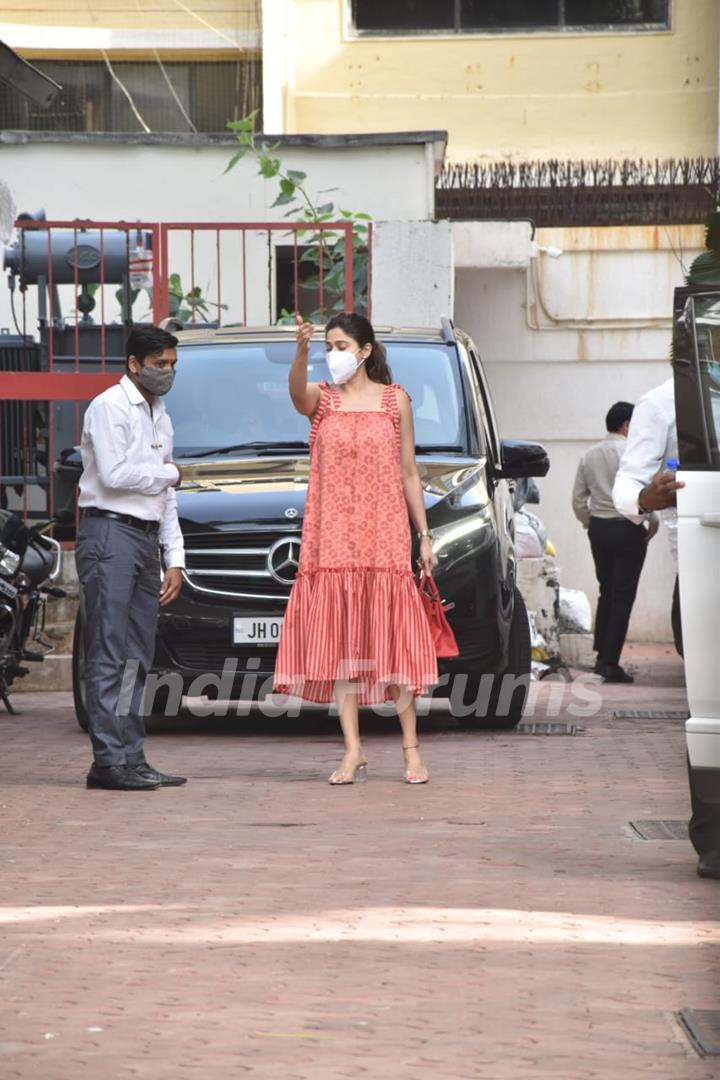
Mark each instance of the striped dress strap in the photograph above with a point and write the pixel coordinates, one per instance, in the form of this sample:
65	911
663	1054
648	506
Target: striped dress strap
389	403
324	405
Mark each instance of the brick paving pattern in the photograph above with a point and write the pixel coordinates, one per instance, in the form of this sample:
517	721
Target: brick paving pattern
502	922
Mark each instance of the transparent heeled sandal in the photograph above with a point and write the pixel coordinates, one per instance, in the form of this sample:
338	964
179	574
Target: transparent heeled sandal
357	776
412	778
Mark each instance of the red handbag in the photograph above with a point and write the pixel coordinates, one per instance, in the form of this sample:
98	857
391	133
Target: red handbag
443	637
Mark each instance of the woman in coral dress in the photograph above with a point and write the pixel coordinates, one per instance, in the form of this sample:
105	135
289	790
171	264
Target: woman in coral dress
355	630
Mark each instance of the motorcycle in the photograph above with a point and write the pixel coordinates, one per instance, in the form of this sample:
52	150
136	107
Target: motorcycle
30	563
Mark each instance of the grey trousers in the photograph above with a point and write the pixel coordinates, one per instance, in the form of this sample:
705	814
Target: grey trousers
119	571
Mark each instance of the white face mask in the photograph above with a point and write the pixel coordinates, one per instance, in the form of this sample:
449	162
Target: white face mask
343	363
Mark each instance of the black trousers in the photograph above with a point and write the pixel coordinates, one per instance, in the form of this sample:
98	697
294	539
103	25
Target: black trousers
704	827
618	550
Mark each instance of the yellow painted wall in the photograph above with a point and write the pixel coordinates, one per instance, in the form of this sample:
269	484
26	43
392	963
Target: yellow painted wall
515	96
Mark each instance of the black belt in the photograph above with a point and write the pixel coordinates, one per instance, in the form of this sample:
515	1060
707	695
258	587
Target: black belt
126	519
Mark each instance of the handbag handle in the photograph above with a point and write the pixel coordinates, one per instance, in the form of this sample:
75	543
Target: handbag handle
428	585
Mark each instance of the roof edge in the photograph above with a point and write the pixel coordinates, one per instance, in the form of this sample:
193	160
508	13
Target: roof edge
191	139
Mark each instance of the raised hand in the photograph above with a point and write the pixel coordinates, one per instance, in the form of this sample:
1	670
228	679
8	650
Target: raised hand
305	331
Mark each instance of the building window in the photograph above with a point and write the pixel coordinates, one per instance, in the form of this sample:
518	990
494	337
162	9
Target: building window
169	96
498	16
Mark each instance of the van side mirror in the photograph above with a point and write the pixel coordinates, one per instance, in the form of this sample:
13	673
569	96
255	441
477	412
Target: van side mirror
520	459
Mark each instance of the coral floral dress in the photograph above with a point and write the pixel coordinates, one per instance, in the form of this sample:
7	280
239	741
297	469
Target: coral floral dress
354	611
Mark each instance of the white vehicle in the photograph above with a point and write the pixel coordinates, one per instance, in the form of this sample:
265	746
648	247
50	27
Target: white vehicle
697	403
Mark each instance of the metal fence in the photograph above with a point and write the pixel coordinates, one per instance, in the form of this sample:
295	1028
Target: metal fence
563	193
76	288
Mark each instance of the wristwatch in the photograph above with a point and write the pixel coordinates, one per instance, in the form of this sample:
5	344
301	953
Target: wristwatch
426	532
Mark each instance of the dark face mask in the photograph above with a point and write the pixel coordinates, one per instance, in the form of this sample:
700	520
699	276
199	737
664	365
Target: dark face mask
157	380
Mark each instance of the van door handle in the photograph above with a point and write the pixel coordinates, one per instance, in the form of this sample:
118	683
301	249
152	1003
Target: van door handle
712	521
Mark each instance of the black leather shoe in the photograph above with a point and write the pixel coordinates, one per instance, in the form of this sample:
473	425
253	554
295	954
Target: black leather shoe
119	778
709	865
615	674
161	779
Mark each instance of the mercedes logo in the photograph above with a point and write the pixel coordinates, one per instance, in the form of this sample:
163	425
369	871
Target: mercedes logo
291	512
283	559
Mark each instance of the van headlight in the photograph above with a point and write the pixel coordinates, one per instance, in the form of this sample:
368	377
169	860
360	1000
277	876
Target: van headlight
460	537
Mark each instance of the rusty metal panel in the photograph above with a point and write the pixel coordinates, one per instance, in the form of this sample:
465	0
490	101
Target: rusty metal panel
557	193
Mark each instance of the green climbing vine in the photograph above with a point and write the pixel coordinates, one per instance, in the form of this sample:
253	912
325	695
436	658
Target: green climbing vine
322	253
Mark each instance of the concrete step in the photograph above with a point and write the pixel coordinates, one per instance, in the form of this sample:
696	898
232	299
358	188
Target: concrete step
60	635
54	673
60	611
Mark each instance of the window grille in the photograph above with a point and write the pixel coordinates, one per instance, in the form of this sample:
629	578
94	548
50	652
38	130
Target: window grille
169	95
507	16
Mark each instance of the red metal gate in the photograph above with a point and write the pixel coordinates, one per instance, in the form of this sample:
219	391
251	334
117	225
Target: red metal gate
81	285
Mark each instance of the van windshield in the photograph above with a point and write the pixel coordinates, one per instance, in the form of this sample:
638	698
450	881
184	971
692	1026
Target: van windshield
236	396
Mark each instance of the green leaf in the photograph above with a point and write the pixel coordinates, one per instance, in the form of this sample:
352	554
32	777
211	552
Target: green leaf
364	217
283	200
269	167
287	187
296	176
334	278
246	124
327	208
237	156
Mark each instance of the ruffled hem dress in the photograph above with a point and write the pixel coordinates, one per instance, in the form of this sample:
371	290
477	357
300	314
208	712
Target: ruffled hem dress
354	611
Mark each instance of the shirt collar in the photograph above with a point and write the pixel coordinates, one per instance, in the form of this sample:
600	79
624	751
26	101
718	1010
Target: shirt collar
136	398
613	435
133	394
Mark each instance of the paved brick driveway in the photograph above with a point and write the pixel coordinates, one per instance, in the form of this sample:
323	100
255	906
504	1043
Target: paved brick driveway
500	923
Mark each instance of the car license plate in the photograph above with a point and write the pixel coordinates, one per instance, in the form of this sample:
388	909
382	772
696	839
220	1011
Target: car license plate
249	630
7	590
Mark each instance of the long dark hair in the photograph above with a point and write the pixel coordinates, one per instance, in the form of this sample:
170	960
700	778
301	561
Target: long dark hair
360	329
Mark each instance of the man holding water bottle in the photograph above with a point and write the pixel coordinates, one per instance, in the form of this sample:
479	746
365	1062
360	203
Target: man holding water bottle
645	484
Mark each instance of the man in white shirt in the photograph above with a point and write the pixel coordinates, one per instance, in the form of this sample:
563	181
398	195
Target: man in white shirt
645	484
128	511
618	545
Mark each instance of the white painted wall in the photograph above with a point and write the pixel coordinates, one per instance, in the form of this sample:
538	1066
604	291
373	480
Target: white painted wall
164	179
278	28
412	272
611	292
